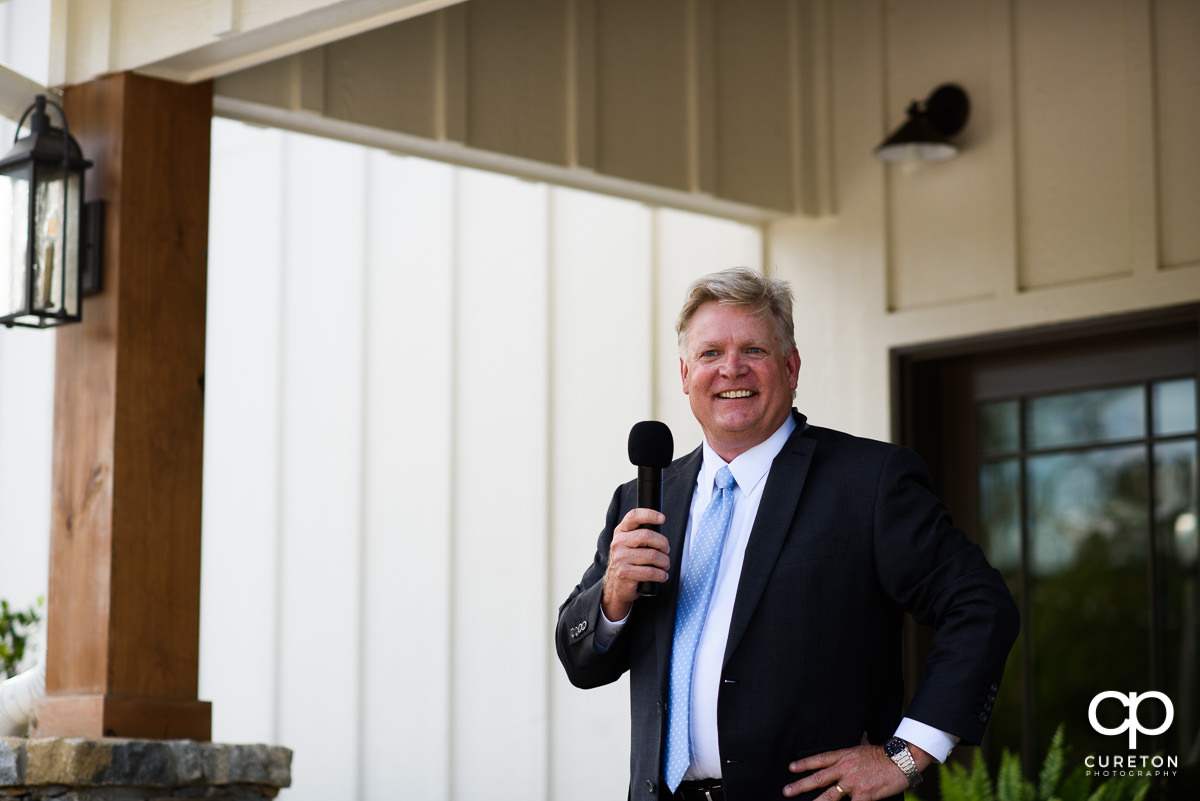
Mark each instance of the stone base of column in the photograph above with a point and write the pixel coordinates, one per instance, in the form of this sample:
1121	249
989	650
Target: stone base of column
112	769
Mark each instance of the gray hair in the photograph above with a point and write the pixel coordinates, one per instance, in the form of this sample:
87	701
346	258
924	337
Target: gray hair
741	286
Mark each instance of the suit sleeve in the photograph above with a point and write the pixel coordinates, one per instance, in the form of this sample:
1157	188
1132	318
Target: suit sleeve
931	569
580	613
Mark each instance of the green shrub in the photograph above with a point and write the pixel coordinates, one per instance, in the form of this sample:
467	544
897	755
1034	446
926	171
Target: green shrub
975	784
15	628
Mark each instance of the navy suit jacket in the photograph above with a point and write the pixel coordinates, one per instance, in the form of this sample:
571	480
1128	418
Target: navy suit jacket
849	536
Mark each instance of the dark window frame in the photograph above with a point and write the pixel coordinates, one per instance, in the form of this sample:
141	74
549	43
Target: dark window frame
935	388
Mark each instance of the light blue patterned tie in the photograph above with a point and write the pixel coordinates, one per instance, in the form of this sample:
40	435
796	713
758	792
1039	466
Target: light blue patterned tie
696	591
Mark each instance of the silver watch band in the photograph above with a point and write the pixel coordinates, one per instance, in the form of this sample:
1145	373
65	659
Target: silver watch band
897	751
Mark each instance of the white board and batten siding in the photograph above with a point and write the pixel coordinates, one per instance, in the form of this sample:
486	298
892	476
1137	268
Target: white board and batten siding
420	381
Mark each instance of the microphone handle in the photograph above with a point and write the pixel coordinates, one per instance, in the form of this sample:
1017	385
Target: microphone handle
649	492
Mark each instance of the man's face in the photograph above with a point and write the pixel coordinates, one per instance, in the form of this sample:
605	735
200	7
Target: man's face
736	377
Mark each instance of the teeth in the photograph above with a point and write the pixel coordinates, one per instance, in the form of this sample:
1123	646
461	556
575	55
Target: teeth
741	393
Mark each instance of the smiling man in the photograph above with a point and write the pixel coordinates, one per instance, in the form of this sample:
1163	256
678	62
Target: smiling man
769	664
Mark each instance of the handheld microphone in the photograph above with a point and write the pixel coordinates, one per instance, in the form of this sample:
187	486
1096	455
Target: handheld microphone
650	448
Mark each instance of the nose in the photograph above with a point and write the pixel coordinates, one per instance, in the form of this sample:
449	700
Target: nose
733	364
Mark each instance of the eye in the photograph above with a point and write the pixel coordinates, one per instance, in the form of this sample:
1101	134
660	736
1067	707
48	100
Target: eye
708	354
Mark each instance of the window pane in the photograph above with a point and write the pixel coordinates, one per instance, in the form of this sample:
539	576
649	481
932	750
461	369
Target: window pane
1000	514
1083	418
1175	407
1000	536
1088	518
999	427
1179	548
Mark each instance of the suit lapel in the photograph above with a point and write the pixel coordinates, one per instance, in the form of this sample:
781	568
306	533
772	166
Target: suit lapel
679	483
771	526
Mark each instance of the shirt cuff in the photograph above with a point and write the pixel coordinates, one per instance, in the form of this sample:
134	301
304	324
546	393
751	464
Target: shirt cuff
935	742
607	631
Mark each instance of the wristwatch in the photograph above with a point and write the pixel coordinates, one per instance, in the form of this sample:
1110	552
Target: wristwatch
897	751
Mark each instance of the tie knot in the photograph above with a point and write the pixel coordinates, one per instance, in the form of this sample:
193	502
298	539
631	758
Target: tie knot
724	478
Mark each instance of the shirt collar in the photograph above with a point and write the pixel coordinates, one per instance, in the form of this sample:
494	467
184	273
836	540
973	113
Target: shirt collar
750	467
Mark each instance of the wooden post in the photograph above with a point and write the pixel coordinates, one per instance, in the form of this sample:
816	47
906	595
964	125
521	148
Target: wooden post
124	596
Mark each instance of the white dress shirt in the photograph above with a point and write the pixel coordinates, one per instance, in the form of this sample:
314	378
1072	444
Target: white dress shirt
750	471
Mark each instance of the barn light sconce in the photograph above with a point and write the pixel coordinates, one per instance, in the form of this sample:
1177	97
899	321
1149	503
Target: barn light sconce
925	135
50	240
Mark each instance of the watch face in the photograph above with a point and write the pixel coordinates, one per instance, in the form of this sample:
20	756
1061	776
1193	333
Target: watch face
893	746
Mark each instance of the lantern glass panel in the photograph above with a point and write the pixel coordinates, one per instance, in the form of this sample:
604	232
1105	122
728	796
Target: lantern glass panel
14	240
74	234
52	254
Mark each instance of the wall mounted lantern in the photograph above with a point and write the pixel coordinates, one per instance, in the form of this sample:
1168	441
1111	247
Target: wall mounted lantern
925	135
49	238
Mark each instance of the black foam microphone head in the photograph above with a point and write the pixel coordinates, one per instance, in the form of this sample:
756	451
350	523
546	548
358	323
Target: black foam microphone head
651	444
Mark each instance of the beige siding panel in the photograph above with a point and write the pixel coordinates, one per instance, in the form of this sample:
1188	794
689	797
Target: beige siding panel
601	319
385	78
1177	70
407	478
241	516
753	108
1074	174
269	83
517	70
941	217
500	669
642	78
320	467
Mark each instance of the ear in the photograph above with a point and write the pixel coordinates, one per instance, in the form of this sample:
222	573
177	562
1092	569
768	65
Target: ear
683	374
793	368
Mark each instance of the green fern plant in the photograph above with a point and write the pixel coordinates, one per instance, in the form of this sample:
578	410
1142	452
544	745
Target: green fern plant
959	783
15	628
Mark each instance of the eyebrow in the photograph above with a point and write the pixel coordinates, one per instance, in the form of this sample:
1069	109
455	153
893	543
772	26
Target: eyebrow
751	343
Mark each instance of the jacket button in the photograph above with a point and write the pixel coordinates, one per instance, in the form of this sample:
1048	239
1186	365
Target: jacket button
983	716
650	785
995	687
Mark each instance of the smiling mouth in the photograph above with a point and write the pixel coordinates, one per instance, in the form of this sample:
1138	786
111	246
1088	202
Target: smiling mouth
737	393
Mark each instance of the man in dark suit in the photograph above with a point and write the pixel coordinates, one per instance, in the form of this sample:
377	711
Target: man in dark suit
788	556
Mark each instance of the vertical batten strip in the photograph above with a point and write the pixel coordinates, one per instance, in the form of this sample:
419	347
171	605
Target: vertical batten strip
802	148
60	42
700	51
819	107
452	517
360	586
691	97
571	82
550	508
285	195
439	76
1143	143
224	17
877	30
450	74
1006	268
654	285
581	84
308	87
546	623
